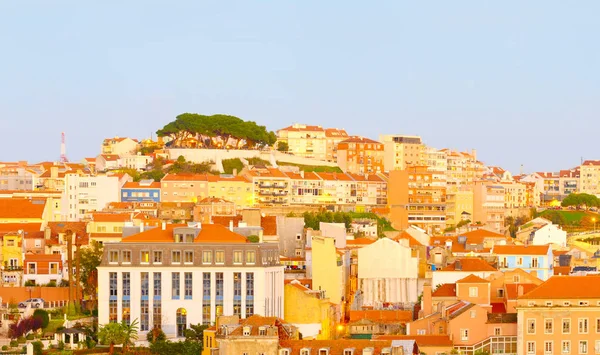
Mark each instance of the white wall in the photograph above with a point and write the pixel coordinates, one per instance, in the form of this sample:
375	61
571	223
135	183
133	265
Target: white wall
550	234
100	191
336	231
387	259
203	155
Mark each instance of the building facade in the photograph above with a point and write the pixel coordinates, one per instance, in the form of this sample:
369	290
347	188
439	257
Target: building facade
360	155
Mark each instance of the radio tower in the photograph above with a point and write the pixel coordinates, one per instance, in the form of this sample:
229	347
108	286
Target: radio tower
63	149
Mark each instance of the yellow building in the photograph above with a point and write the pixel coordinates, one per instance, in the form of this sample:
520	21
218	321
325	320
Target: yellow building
236	189
458	201
315	319
23	210
304	140
400	151
327	263
209	341
107	227
12	250
589	177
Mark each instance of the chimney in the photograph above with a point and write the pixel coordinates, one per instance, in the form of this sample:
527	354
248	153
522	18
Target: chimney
164	225
457	265
519	290
235	172
47	233
54	172
231	225
260	236
141	227
426	304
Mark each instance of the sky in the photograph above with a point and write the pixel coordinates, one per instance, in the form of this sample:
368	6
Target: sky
517	80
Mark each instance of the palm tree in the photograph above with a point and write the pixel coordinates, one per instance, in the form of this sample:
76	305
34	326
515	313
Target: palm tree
112	333
130	333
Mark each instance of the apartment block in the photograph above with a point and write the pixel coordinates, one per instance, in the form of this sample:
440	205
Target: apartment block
334	136
119	146
305	140
84	194
360	155
401	151
489	204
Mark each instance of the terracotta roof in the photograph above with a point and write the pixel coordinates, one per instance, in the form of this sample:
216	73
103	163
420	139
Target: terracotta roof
472	279
520	249
357	242
335	176
213	200
481	234
255	322
185	177
138	185
31	230
498	307
300	128
335	346
266	173
358	139
111	217
562	270
224	220
470	264
382	316
366	177
591	162
118	139
110	157
459	308
335	132
512	290
412	242
298	176
445	290
567	287
422	340
209	233
269	225
22	208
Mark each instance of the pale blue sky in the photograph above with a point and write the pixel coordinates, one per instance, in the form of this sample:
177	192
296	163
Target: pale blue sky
517	80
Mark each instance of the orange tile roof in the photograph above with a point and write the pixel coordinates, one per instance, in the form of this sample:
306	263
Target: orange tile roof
302	128
445	290
422	340
213	200
562	270
224	220
334	132
335	176
185	177
360	241
512	290
384	316
472	279
111	217
336	347
255	322
267	173
359	139
110	157
137	185
298	176
470	264
481	234
520	249
567	287
31	230
412	242
120	205
209	233
22	208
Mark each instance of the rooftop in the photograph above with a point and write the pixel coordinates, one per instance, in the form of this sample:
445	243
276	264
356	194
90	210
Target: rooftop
567	287
520	249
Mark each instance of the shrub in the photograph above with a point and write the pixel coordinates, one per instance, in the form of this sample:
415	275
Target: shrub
60	345
14	343
156	335
42	316
4	347
52	283
38	347
25	325
21	340
29	336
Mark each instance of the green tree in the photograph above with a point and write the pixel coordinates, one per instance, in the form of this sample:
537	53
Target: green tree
581	200
283	146
89	261
130	333
253	239
111	334
42	316
195	333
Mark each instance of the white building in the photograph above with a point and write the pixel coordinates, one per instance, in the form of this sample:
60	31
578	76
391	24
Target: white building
84	194
119	146
549	234
387	272
176	275
138	162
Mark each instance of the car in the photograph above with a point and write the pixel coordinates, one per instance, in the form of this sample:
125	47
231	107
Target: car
33	302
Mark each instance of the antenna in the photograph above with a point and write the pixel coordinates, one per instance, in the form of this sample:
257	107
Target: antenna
63	149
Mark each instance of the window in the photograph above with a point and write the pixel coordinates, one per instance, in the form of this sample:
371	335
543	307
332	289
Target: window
500	293
188	285
548	347
566	326
519	261
145	285
113	256
566	303
473	314
420	331
584	303
566	347
207	257
516	278
250	257
126	284
175	281
145	315
31	268
176	257
219	257
188	257
531	347
473	291
157	257
531	304
531	326
206	297
262	331
246	331
583	325
548	303
304	352
597	347
284	352
597	325
145	257
548	326
497	331
157	285
127	256
464	334
237	257
583	346
249	294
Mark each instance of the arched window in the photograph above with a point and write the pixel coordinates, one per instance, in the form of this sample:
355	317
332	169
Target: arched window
181	318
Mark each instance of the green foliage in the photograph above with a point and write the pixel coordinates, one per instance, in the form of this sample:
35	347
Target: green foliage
581	200
21	340
195	332
189	125
111	334
482	352
186	347
283	146
258	161
51	283
463	223
4	347
253	238
14	343
60	345
38	347
449	229
129	333
313	168
183	166
29	283
230	164
29	336
156	334
556	217
89	261
513	224
43	316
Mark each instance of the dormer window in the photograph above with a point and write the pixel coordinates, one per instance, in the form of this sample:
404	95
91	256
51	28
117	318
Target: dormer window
246	331
284	352
305	351
262	331
584	303
548	303
566	303
324	351
386	351
349	351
